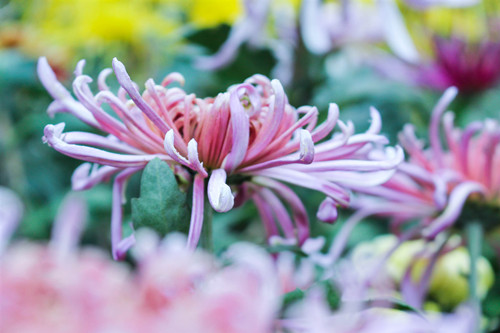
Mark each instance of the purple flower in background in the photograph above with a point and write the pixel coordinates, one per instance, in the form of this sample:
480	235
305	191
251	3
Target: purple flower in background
459	47
469	67
250	130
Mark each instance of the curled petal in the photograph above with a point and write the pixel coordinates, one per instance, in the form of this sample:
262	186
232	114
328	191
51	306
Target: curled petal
439	109
376	124
219	193
266	214
469	131
49	80
329	124
440	193
169	146
279	211
456	201
108	123
196	223
95	140
79	67
119	245
193	158
359	180
304	156
273	118
306	147
241	134
127	84
299	213
55	138
327	211
101	80
68	225
393	159
173	77
85	176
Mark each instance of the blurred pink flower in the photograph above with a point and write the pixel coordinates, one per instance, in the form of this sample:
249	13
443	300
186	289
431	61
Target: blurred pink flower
250	131
185	291
471	67
435	184
40	293
59	287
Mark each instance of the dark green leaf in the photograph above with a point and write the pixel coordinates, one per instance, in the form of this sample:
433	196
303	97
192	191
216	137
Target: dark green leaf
162	206
292	297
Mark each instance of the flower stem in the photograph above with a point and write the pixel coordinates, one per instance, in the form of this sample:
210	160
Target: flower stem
474	232
206	239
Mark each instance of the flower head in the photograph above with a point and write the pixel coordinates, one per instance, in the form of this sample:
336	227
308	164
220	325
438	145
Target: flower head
468	66
244	141
47	288
452	50
435	184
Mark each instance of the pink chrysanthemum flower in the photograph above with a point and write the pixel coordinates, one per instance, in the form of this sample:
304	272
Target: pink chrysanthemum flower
184	291
435	184
60	287
249	131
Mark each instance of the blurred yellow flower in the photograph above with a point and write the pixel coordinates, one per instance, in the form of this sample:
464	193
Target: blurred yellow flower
66	30
75	21
448	285
205	14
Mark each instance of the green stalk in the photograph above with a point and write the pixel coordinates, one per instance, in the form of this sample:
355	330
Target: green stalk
206	238
474	233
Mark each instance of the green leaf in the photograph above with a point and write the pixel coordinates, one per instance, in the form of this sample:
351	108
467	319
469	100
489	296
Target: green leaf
162	206
292	297
332	295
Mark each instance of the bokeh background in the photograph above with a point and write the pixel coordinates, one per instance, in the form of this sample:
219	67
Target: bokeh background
361	61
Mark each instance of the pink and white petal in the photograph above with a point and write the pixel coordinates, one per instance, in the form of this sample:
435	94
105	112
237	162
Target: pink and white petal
119	245
219	193
196	222
241	134
87	175
455	204
327	211
68	225
194	159
55	138
125	81
438	111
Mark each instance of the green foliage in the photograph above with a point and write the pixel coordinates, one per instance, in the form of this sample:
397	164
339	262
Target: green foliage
162	206
292	297
332	295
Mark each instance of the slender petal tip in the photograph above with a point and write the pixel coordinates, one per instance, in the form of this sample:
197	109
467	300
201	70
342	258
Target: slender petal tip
327	211
52	131
306	147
